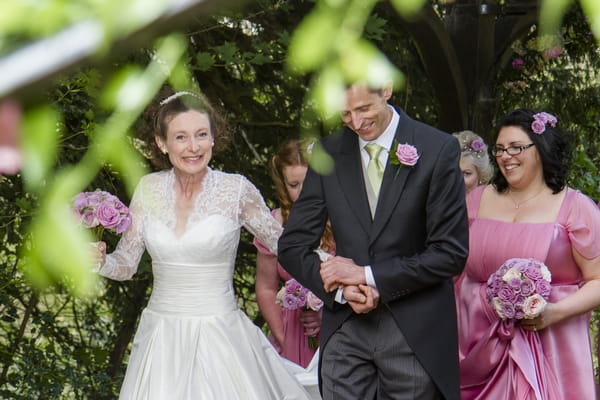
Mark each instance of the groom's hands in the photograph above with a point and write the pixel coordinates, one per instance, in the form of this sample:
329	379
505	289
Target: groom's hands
339	271
361	298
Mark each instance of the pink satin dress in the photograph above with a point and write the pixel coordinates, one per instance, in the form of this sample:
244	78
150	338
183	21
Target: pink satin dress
295	346
503	362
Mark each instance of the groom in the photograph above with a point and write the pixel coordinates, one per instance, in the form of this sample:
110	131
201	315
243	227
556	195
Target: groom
400	225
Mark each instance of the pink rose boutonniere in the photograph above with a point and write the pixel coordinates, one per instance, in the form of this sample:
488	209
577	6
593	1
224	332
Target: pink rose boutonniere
404	154
294	296
101	210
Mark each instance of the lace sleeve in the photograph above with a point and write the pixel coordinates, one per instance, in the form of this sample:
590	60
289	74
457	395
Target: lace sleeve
122	264
256	217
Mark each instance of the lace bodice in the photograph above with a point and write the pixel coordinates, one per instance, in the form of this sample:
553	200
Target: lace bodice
225	203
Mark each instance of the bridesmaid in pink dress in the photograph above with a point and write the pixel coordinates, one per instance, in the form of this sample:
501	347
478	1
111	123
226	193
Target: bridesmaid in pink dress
528	211
289	329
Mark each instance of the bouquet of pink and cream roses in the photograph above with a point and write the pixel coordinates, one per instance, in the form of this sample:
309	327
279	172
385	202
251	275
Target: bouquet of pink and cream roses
294	296
100	210
519	289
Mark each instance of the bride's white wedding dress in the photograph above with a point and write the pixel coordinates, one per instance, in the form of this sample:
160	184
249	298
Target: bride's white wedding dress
193	342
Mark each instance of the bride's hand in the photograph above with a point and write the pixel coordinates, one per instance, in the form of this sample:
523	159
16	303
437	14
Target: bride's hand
99	253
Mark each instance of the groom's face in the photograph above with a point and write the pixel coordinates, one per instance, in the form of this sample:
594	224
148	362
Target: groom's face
366	111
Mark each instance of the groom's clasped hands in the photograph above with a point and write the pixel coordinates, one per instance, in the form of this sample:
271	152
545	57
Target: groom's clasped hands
340	272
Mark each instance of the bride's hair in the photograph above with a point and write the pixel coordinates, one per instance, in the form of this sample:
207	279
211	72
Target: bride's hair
169	104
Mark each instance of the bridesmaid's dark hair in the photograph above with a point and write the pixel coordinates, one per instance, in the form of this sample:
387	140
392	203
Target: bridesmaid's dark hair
550	144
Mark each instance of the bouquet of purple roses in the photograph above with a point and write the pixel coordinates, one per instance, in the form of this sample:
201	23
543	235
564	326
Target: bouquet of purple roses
519	289
101	210
293	296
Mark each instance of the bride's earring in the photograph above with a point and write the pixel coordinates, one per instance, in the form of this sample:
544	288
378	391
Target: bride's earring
213	143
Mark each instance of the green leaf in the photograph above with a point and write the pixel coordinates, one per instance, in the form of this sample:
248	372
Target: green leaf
408	8
374	28
551	14
126	160
313	40
328	91
320	161
204	61
364	62
39	144
259	59
59	251
592	10
228	52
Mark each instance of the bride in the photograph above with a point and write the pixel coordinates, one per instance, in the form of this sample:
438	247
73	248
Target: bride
193	342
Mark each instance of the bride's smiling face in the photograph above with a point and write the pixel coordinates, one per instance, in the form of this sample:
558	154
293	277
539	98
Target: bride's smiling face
189	142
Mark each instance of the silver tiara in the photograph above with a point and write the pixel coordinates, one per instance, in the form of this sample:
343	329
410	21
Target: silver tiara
177	95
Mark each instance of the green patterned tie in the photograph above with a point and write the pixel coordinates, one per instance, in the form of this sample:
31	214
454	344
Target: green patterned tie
374	168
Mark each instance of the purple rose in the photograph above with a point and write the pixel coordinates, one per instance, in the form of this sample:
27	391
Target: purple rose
290	302
508	309
478	145
515	285
506	294
124	223
88	218
95	198
533	272
554	52
292	286
407	154
80	202
313	302
538	126
540	120
527	287
517	63
302	298
547	118
543	287
108	216
520	299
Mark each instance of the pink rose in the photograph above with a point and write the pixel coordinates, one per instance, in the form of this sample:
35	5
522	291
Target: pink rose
290	302
527	287
506	294
407	154
292	286
508	309
517	63
543	287
80	201
533	306
478	145
124	223
108	215
88	218
547	118
313	302
538	126
554	52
